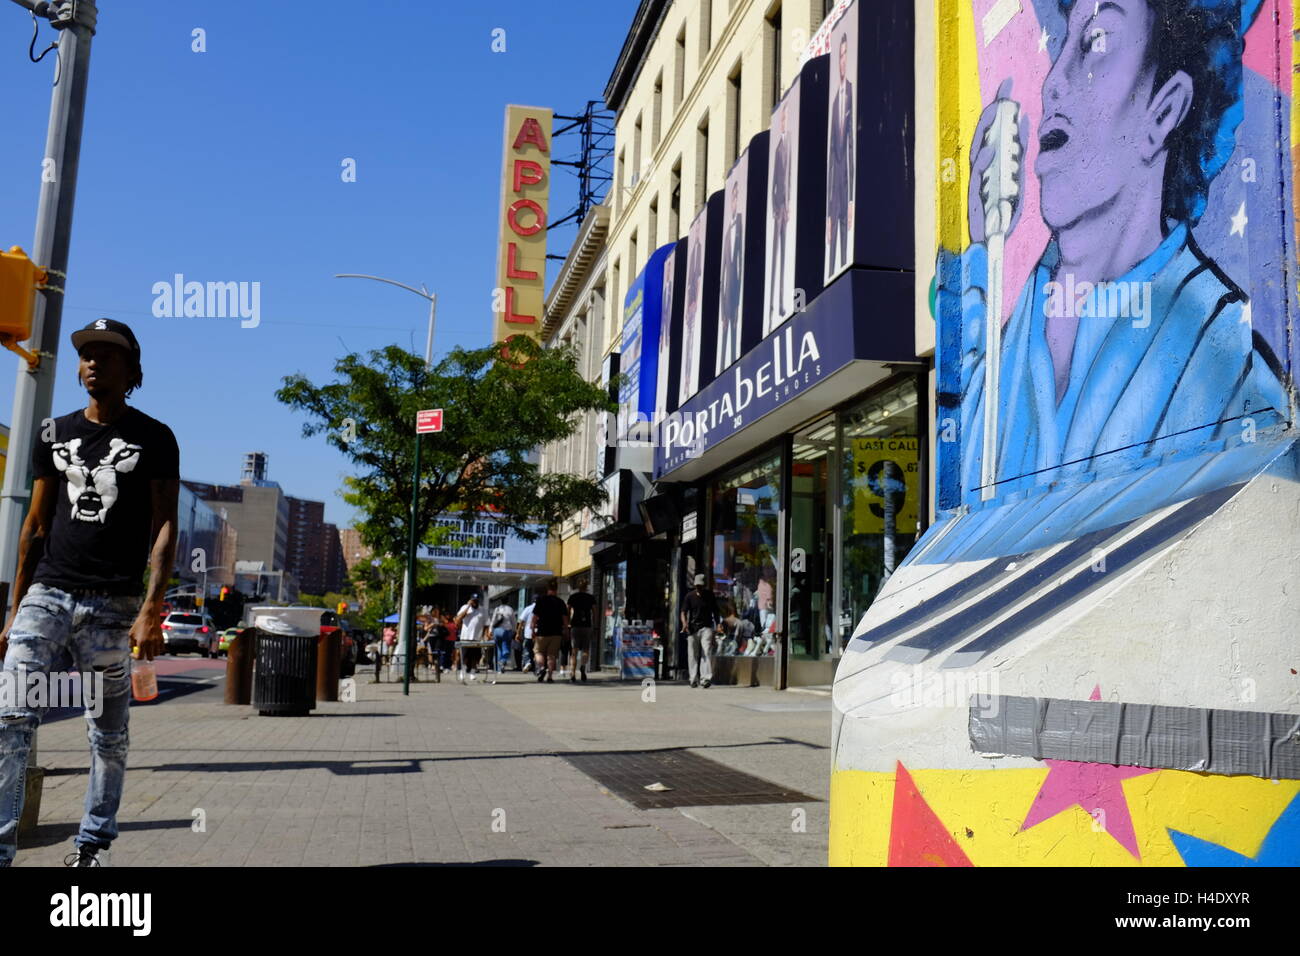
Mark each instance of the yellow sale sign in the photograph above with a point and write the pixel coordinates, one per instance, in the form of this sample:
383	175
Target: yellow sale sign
886	484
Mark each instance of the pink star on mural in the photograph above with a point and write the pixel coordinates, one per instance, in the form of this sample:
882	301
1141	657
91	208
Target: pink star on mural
1096	787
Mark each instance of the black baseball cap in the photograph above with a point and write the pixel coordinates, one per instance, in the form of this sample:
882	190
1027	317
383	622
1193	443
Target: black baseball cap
107	330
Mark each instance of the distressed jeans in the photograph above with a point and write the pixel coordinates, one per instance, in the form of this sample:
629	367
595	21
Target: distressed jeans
93	632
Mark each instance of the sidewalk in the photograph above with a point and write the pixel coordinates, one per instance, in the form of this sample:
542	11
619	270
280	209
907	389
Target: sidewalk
453	773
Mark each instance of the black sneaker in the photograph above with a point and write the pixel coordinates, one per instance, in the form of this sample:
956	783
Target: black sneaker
707	684
549	678
584	675
695	683
87	856
541	675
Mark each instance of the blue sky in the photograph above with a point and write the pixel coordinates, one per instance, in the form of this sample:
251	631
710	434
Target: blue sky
225	166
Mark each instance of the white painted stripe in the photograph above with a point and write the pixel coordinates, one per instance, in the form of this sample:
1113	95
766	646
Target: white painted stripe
996	20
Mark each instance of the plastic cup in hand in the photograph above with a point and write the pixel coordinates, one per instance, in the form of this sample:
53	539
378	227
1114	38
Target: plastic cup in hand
144	678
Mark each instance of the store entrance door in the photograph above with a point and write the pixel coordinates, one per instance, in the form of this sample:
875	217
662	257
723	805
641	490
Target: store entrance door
809	556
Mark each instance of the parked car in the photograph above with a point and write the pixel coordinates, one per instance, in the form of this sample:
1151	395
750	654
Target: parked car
189	631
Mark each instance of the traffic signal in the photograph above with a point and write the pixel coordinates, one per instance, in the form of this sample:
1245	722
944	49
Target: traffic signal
19	278
343	607
224	591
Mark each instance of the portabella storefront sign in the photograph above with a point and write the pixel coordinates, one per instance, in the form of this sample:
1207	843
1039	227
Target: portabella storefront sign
830	334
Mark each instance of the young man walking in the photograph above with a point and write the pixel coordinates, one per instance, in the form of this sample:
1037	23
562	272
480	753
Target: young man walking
550	627
472	619
580	608
699	618
104	490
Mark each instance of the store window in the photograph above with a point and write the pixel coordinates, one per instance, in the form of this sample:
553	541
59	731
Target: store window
613	592
745	518
881	492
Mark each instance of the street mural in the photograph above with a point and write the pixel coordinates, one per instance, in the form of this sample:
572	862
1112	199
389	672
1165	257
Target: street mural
1115	299
1121	293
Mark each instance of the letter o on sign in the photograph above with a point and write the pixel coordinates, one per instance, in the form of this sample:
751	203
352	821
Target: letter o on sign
539	216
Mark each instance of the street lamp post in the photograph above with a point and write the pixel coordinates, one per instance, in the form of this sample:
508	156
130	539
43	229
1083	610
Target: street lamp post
406	620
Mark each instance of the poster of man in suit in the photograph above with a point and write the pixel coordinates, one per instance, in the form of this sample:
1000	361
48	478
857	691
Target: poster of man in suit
731	298
690	379
783	185
665	335
841	161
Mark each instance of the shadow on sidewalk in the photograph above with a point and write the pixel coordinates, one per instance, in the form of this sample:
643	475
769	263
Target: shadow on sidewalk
391	866
396	764
51	834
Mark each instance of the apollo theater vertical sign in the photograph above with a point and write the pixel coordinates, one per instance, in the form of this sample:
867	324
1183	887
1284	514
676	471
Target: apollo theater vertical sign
525	191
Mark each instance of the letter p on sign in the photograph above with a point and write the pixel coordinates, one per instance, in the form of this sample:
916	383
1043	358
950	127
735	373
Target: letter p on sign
429	420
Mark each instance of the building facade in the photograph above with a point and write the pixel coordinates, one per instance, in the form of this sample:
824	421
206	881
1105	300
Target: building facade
313	549
773	397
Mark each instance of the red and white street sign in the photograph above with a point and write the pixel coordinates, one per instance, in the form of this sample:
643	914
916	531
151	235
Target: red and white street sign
429	420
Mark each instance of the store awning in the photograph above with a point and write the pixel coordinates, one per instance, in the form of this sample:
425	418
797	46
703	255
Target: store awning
848	338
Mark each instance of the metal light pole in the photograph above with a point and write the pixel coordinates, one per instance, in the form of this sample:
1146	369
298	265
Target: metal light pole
406	621
34	389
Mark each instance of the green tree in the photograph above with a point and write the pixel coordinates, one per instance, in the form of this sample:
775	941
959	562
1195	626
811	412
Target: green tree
497	410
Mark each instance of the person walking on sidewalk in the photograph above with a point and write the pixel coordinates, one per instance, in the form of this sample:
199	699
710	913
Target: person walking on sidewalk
503	632
550	628
104	490
436	637
525	626
699	618
472	620
580	608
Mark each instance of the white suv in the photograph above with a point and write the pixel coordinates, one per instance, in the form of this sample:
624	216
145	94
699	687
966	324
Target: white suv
190	631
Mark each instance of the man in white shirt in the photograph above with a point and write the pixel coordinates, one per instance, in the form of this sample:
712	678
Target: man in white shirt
525	630
472	619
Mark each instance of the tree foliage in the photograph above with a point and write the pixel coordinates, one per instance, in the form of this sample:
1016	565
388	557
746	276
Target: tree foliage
497	410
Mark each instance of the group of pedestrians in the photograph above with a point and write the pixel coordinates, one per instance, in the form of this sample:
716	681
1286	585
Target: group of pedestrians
547	635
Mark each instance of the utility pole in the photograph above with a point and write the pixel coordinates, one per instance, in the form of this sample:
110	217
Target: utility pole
34	390
406	617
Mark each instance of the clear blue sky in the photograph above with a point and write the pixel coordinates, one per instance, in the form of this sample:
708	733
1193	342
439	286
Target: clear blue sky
225	166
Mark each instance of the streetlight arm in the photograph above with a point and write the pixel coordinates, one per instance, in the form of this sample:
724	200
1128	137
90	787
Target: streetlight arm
401	285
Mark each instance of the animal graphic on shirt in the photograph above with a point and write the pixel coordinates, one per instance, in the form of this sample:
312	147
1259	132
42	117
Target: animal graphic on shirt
92	491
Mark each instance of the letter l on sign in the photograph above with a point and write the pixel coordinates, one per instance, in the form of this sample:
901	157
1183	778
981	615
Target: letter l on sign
429	420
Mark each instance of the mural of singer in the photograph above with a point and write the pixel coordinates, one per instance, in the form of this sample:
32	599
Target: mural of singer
1126	338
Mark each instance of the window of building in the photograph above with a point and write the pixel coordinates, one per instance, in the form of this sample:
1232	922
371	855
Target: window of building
652	228
618	183
656	112
679	68
701	165
706	28
733	116
633	266
745	521
637	171
774	42
675	202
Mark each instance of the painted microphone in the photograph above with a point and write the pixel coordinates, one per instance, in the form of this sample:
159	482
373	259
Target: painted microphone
1000	192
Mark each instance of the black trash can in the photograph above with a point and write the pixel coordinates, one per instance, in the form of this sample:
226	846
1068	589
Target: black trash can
284	680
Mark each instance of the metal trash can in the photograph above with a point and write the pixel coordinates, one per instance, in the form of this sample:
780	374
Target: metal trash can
284	679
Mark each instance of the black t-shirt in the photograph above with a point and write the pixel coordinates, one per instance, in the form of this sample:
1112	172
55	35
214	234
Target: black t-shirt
701	609
100	537
548	615
580	605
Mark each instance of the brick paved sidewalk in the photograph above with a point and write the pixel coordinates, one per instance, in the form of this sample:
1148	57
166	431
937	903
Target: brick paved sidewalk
452	774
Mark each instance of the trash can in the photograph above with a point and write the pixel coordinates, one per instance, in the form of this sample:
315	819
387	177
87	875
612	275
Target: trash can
284	679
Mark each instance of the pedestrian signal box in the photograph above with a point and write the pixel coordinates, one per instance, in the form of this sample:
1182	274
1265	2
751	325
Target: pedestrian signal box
19	279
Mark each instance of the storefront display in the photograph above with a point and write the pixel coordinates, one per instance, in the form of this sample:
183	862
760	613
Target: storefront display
745	519
880	495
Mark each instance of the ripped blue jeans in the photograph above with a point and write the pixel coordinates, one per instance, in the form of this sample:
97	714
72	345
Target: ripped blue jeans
92	633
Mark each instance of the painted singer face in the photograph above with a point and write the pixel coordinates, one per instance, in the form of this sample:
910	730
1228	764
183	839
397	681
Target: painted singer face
1097	111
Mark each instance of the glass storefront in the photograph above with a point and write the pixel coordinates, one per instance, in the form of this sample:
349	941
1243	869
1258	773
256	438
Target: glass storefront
881	492
811	557
745	524
613	590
